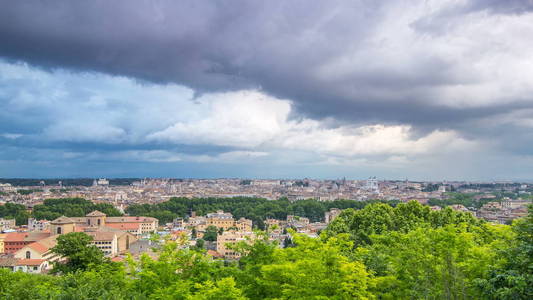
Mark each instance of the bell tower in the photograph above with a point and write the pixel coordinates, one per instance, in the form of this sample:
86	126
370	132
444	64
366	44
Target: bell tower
96	218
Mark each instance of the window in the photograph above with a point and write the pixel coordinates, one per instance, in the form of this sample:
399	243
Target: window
98	222
35	268
58	230
28	254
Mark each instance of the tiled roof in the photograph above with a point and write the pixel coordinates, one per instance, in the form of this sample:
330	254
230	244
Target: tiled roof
124	226
38	247
25	236
214	253
15	236
49	242
117	259
30	262
129	219
62	220
8	261
96	214
102	236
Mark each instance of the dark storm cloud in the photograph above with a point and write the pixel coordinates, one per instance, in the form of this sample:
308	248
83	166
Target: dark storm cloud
206	45
286	48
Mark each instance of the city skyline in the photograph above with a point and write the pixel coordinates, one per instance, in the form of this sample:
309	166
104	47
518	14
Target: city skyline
433	90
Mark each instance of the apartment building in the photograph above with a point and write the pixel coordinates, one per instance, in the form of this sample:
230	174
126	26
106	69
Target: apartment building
228	239
6	224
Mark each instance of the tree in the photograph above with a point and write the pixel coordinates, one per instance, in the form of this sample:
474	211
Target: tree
21	218
379	218
428	263
71	207
223	289
211	233
76	248
513	279
200	243
314	269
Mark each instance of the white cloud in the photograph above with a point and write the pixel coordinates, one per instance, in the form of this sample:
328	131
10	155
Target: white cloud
120	111
252	120
242	119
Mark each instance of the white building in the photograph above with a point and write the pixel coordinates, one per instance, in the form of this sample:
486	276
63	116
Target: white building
372	184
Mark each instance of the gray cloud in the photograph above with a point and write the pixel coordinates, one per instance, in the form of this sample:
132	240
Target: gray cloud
435	65
276	46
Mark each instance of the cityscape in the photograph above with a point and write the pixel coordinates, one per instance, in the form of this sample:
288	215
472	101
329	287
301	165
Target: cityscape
26	244
501	201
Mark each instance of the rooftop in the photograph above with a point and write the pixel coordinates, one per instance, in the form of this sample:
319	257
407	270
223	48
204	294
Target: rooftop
96	214
62	220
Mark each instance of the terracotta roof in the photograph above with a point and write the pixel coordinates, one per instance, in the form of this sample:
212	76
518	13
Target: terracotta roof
62	220
30	262
117	259
8	261
36	236
38	247
129	219
25	236
49	242
124	226
102	236
214	253
15	236
81	220
96	214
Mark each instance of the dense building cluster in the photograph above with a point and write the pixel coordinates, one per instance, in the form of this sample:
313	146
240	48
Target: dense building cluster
29	250
27	247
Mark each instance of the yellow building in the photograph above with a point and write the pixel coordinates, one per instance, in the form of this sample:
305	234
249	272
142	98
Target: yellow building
223	220
244	225
2	237
134	225
220	219
227	239
62	225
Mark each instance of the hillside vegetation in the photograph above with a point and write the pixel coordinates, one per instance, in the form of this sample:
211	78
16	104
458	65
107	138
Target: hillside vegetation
377	252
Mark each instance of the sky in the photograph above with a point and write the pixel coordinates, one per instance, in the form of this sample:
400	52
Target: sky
425	90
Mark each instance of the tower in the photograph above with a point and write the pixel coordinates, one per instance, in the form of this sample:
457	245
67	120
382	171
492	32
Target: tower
96	218
61	225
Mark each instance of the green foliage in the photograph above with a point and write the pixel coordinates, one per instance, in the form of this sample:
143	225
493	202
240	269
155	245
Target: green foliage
54	208
313	269
255	209
14	211
428	263
18	285
378	252
211	233
200	243
29	191
76	248
467	200
71	207
514	278
381	218
430	187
